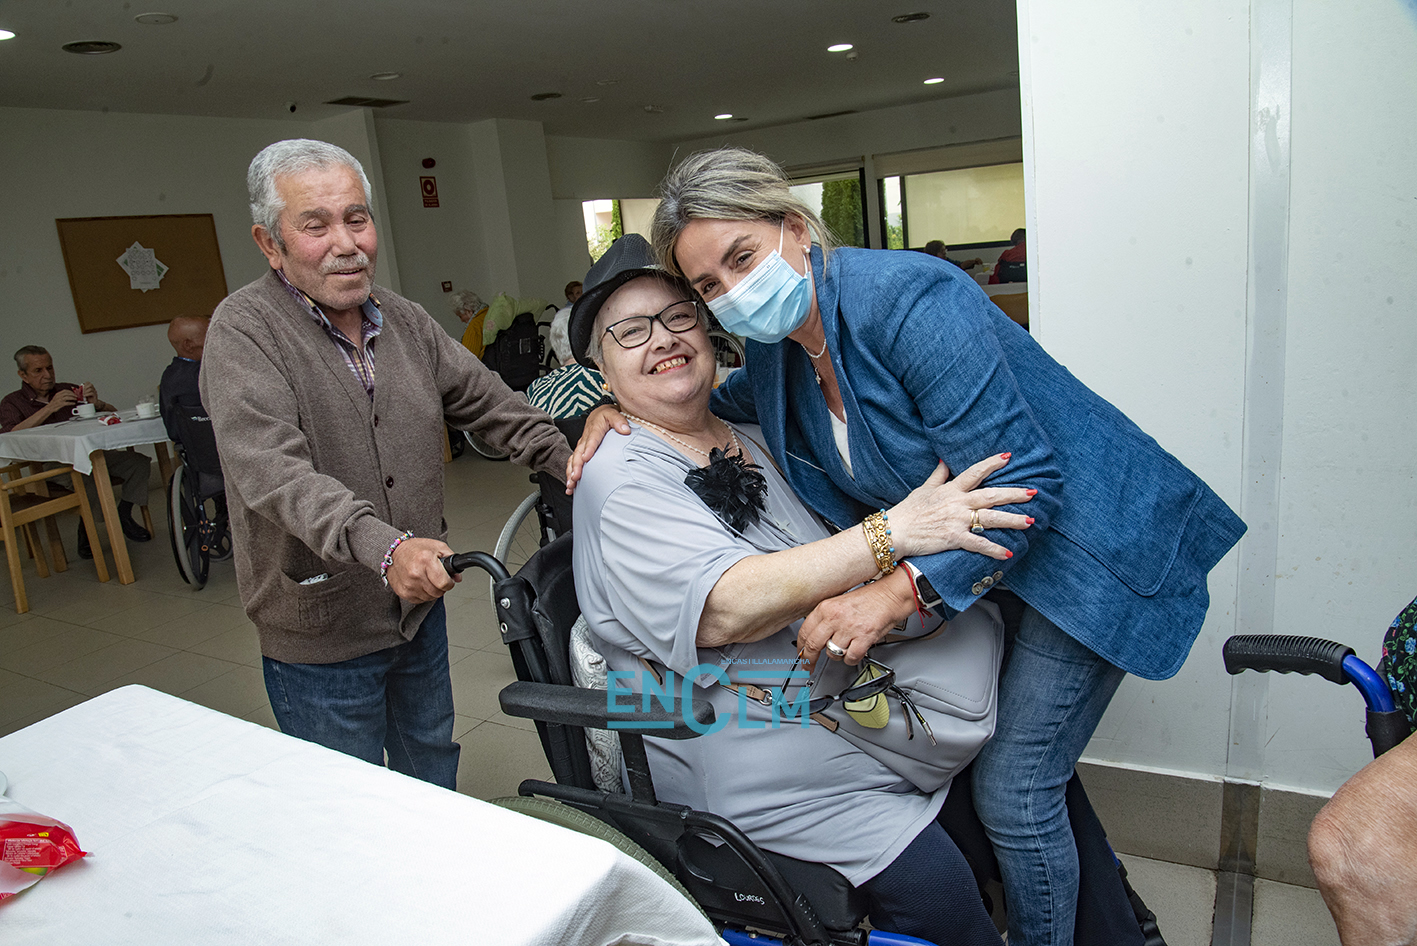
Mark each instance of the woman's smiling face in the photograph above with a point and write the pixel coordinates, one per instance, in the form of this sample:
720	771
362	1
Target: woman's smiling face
715	255
670	369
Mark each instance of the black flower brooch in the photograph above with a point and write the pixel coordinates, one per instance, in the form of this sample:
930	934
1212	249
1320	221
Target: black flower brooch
732	487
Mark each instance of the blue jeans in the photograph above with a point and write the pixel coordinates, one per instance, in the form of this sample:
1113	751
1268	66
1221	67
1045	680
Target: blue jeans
1051	696
398	700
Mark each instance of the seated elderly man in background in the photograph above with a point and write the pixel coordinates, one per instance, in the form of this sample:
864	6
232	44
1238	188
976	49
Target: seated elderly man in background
187	334
41	401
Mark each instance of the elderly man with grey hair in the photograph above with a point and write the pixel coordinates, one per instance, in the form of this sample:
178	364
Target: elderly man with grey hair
328	396
41	401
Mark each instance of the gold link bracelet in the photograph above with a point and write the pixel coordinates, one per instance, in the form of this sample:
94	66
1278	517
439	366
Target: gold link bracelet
878	536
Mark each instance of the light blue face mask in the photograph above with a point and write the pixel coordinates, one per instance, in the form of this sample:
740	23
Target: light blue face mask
769	303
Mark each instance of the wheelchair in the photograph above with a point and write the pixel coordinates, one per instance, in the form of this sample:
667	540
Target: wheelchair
1336	663
519	355
751	895
541	516
197	521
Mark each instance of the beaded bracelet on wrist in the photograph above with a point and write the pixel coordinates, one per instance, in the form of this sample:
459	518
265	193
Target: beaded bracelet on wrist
878	536
389	558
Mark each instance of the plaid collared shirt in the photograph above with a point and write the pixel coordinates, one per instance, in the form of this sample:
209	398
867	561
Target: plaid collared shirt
359	358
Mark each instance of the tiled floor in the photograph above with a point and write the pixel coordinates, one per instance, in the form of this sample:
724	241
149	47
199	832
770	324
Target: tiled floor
82	638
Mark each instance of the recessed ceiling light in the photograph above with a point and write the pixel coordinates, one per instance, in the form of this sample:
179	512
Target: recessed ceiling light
654	109
91	47
545	96
155	19
386	76
606	81
910	18
723	117
935	81
839	48
590	98
6	34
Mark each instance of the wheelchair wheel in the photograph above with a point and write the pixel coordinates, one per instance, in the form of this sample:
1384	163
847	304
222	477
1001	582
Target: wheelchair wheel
483	448
520	537
188	528
552	811
727	348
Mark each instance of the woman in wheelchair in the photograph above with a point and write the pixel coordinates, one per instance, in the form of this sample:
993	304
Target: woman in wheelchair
864	369
687	555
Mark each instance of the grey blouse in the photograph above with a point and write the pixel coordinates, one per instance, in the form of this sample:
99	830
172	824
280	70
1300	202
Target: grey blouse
647	553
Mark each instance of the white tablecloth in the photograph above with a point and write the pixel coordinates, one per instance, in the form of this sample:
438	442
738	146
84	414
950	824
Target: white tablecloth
205	829
73	440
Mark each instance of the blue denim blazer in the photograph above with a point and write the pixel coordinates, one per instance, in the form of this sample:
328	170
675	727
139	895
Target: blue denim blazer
930	370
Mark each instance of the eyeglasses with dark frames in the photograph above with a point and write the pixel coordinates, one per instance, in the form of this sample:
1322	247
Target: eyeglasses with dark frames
883	681
881	684
678	318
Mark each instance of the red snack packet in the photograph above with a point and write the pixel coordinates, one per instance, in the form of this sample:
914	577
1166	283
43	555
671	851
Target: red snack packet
112	419
31	845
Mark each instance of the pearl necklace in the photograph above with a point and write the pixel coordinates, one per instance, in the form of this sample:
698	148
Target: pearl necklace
733	437
820	353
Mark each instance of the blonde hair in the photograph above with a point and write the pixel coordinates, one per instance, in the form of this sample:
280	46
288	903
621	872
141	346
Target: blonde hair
726	184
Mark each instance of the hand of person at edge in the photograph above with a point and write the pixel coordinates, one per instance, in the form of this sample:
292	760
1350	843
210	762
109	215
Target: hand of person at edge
856	620
417	573
597	424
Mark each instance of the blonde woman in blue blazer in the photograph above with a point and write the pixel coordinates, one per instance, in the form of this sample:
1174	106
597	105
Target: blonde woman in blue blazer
866	368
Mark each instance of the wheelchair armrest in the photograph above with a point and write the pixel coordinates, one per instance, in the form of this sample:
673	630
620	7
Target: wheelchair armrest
587	708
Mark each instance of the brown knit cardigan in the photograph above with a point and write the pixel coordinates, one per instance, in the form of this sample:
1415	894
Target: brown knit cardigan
320	480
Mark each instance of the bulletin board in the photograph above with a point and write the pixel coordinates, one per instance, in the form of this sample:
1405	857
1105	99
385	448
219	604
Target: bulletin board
187	280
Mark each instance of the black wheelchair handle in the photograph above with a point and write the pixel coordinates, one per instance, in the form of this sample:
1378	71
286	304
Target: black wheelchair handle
1287	654
461	561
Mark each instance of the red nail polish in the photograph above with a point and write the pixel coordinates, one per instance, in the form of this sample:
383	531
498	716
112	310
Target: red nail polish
1008	554
1032	492
1006	455
1029	519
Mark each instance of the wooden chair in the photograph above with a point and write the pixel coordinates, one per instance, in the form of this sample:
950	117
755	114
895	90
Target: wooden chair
20	508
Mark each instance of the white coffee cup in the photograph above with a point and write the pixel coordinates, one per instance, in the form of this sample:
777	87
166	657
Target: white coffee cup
147	409
85	410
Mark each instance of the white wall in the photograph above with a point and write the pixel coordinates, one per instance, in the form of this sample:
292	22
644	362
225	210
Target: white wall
605	169
1141	239
93	164
443	243
510	197
1348	508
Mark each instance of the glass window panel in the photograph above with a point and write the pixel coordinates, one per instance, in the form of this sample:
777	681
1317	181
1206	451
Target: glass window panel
968	205
894	223
836	198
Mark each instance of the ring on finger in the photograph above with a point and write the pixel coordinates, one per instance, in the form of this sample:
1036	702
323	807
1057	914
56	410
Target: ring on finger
974	524
834	649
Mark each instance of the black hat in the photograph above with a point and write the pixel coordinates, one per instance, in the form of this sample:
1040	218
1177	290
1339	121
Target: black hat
628	258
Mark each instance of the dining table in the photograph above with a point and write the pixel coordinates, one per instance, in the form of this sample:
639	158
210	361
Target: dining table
81	442
201	828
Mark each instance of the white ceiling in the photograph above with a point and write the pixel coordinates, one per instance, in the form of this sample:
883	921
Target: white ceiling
467	60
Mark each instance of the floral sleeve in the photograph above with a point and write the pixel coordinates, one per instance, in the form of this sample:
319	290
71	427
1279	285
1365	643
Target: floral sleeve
1400	661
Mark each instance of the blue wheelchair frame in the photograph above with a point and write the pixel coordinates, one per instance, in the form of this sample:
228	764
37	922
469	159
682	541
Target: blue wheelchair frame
1335	662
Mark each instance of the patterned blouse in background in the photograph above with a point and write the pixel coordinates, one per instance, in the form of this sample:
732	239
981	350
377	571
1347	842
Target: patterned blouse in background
1399	664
